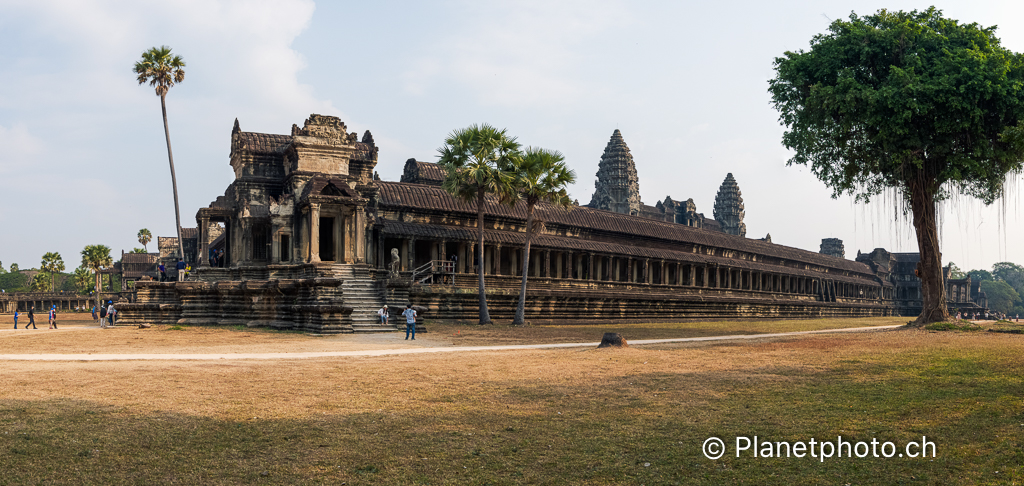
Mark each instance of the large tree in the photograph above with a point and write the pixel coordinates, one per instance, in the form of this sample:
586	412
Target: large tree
911	102
540	175
145	237
477	162
52	263
163	70
82	280
96	258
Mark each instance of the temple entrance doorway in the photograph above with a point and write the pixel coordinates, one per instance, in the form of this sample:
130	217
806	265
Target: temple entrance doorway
327	246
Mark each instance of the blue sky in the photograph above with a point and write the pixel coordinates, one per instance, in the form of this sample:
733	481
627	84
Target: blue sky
83	159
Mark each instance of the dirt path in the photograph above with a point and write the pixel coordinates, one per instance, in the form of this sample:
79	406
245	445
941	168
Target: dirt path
393	351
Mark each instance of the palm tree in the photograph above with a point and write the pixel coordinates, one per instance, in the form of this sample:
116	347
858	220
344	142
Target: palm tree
477	161
96	258
53	263
145	236
541	175
82	279
163	70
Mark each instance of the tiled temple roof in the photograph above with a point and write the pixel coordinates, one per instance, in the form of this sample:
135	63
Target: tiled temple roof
514	238
137	265
419	196
263	143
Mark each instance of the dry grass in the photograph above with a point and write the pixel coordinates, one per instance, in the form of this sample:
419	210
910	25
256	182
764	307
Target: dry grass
583	416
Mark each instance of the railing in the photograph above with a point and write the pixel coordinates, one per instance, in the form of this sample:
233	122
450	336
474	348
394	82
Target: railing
443	268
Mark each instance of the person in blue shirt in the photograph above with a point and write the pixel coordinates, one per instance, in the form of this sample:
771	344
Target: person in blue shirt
181	270
410	321
15	318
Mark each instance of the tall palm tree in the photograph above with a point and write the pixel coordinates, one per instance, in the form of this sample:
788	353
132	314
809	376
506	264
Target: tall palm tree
145	237
477	161
52	263
540	175
96	258
163	70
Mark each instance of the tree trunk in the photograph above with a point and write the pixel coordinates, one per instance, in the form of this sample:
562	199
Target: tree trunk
520	318
99	303
933	292
174	180
485	317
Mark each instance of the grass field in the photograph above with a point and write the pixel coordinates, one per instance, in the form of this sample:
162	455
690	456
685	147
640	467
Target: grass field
571	416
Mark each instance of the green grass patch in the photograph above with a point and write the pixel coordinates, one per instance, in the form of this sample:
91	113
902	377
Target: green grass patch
963	326
176	328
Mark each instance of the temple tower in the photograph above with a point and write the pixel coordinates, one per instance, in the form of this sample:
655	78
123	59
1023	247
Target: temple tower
729	207
832	247
618	187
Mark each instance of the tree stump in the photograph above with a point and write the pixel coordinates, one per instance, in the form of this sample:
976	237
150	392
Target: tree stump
612	339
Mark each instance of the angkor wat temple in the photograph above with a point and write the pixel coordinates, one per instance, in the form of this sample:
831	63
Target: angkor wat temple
313	239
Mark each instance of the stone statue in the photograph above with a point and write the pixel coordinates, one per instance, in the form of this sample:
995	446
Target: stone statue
396	263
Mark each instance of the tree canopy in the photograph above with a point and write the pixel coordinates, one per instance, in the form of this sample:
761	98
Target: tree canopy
912	102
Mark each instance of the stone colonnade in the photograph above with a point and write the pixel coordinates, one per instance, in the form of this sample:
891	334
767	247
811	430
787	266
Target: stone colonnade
505	260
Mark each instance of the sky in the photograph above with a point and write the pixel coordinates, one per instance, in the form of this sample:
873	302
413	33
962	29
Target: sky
83	158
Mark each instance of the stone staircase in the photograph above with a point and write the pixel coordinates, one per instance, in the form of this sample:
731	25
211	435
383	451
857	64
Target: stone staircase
361	292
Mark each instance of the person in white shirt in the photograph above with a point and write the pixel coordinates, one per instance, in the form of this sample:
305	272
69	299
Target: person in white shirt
383	313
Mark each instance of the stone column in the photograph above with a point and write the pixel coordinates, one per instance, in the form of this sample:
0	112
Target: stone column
204	241
545	269
497	259
590	266
314	233
412	254
360	242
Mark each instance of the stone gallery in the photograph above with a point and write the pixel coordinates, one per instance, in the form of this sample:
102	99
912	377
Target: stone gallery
312	239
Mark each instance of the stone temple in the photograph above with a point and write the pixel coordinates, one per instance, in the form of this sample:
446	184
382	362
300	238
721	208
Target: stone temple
314	240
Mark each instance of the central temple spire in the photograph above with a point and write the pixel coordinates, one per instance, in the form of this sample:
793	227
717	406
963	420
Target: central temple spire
729	207
618	187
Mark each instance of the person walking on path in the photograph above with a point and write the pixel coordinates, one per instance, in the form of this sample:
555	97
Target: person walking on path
103	317
31	318
181	270
15	318
53	318
410	321
383	313
110	312
94	319
163	272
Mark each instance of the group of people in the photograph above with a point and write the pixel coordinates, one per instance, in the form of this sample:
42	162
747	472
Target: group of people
410	319
184	269
52	317
216	258
974	316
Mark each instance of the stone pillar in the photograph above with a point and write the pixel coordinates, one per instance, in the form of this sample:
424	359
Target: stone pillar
590	266
360	242
545	269
314	233
497	259
204	241
412	254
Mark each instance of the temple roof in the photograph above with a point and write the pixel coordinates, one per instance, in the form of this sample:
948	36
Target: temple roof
263	143
419	196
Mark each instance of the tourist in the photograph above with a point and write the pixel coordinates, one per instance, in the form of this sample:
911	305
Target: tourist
410	321
188	270
110	312
163	272
53	318
383	313
103	316
94	319
15	318
181	270
220	258
31	318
